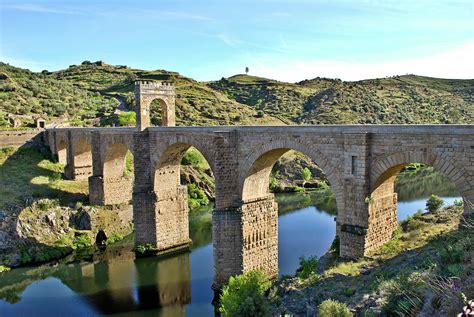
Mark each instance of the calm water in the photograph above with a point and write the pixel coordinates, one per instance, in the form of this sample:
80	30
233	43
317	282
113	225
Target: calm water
114	282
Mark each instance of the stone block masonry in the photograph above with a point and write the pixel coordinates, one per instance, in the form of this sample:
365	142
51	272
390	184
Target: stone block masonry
361	163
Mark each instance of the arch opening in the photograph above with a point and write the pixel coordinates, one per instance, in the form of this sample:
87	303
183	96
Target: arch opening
403	189
157	111
303	227
183	183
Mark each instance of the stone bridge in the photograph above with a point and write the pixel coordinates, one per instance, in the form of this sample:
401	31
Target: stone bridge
361	163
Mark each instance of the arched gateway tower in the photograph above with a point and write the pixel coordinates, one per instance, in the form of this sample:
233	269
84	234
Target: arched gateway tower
145	93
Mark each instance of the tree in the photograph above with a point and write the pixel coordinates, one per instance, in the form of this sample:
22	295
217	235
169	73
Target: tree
434	203
306	175
245	295
246	70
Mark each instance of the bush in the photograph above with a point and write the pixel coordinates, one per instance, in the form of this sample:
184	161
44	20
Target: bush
127	118
260	114
196	196
245	295
307	267
404	295
81	241
434	203
192	157
332	308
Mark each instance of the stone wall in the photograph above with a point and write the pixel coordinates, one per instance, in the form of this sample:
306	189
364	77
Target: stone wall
17	138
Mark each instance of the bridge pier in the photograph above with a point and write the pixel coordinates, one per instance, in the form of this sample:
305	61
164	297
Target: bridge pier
161	219
245	239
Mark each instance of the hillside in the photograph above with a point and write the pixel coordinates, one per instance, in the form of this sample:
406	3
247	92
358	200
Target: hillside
400	99
26	93
89	94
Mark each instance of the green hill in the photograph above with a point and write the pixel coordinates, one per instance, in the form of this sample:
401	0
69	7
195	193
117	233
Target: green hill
400	99
89	94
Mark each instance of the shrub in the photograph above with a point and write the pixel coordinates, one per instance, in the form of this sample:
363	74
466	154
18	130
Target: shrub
332	308
46	204
260	114
404	295
434	203
142	248
4	268
127	118
308	267
245	295
306	175
459	202
193	158
81	241
196	196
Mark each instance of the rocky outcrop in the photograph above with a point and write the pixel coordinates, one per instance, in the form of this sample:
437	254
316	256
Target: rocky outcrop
45	225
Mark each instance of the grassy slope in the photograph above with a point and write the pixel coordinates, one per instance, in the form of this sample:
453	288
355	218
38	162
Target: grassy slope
401	99
426	263
25	92
196	104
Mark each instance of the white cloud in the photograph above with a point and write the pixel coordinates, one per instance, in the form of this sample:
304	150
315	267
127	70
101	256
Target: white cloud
455	63
41	9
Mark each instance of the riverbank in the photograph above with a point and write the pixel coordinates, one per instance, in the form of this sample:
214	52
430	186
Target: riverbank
427	268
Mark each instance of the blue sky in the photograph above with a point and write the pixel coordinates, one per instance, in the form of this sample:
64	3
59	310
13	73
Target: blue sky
207	40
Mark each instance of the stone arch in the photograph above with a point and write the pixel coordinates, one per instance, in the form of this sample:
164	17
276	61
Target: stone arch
257	166
164	110
385	169
167	166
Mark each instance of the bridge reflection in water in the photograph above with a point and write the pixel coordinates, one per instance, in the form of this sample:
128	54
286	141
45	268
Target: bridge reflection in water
114	286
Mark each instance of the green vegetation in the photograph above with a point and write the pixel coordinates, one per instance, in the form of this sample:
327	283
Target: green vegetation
306	175
196	196
88	94
399	99
332	308
245	295
195	158
4	268
426	265
127	118
26	174
434	203
23	92
145	248
418	180
307	270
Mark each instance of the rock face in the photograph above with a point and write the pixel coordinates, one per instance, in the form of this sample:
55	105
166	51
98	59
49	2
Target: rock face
45	224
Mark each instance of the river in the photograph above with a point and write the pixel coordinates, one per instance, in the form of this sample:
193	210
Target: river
114	282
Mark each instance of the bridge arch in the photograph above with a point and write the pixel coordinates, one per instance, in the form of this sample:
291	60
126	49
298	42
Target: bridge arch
385	169
167	164
256	169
